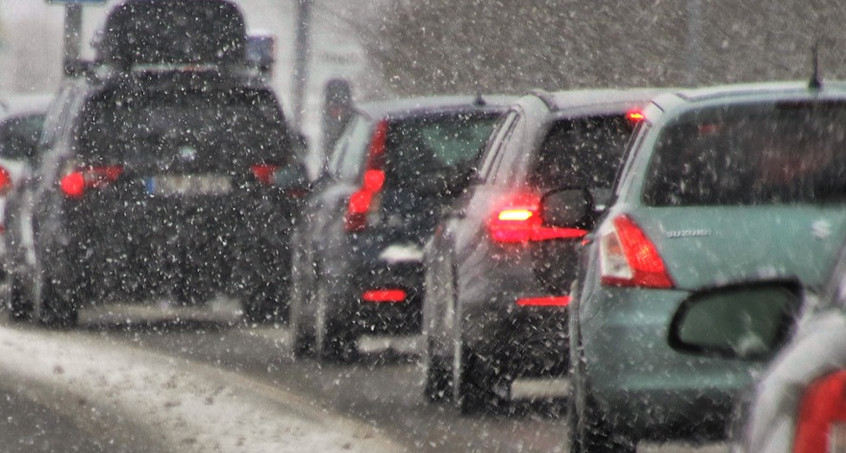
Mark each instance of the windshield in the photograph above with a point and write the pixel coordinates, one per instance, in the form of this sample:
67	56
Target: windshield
779	153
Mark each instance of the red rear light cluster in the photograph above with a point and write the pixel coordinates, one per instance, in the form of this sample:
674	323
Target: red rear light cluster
5	181
518	220
629	258
544	301
75	184
365	201
821	427
384	295
264	172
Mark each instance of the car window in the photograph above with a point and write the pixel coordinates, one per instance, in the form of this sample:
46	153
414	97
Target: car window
584	152
437	143
19	136
227	126
348	157
778	153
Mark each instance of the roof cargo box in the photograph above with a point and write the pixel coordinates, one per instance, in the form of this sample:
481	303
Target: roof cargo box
152	32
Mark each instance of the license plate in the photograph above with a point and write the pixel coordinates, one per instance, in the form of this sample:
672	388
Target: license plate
189	185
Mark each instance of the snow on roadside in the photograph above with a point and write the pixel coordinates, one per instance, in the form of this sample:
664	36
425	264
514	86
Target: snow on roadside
186	405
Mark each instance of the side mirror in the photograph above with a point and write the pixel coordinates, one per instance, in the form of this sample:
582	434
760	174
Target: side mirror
291	177
566	208
746	321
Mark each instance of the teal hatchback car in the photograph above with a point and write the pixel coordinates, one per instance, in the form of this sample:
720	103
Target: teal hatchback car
719	185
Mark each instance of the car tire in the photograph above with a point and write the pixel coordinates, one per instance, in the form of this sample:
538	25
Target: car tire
19	304
56	310
588	429
302	340
333	343
438	387
472	390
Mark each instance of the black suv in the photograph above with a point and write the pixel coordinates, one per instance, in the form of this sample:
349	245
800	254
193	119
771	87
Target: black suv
357	266
157	178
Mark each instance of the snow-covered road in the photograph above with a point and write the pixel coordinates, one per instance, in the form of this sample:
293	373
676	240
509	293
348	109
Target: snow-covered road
127	396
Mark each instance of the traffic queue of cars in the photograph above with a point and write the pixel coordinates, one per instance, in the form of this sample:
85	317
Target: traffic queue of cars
657	247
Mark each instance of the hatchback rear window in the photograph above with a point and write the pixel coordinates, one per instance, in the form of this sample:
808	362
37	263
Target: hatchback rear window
774	153
584	152
440	143
228	127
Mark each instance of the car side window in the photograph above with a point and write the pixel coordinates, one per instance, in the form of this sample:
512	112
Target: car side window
350	163
640	132
494	147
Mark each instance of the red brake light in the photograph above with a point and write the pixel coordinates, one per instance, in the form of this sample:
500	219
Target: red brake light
5	181
635	115
544	301
75	183
821	426
264	172
629	258
366	200
384	295
518	220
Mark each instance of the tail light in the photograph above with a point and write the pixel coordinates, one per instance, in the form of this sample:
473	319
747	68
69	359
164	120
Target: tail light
5	181
75	184
544	301
518	220
384	295
629	258
821	427
264	173
365	201
635	115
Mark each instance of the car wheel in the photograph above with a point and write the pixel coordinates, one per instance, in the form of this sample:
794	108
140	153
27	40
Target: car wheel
20	305
333	342
302	340
588	430
438	375
55	309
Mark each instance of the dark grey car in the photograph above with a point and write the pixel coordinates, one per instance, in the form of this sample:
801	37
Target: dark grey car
492	313
358	270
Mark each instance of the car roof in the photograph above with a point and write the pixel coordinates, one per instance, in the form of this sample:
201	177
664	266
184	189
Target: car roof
578	99
797	90
21	104
416	106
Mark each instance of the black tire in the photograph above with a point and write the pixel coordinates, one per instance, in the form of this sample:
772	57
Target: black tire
57	309
472	384
19	304
438	386
302	341
588	429
334	342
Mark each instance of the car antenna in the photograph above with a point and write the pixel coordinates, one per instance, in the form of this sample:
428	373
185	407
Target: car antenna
479	101
816	82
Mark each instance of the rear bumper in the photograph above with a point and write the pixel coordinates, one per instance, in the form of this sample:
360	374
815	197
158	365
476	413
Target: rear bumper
640	383
228	246
386	318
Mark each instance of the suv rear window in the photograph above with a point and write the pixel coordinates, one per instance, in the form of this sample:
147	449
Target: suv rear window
774	153
228	127
584	152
